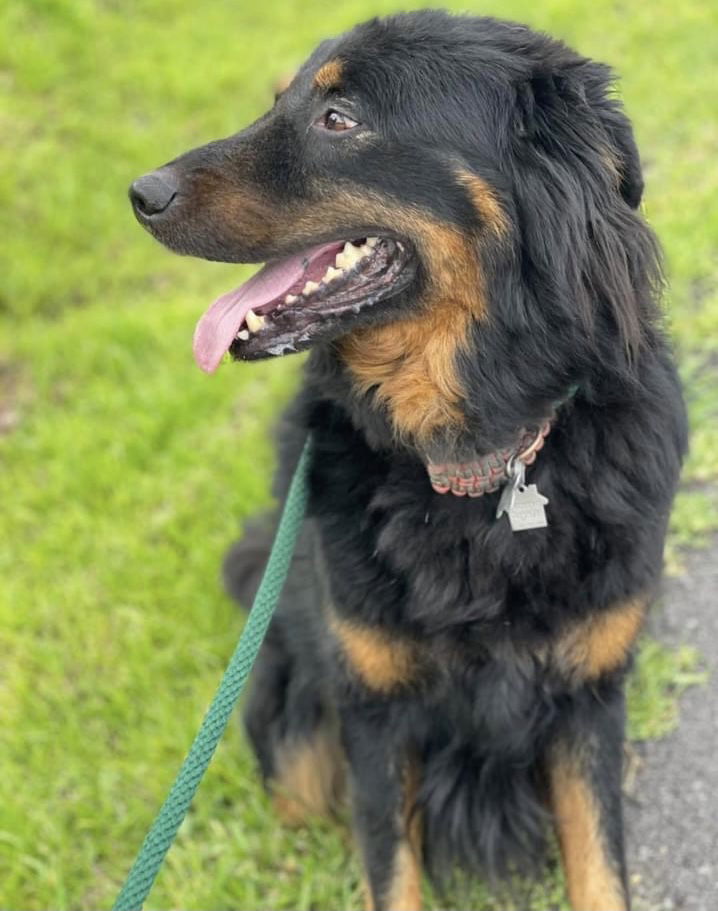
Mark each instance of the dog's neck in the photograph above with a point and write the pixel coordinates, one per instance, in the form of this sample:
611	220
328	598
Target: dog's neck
460	456
489	472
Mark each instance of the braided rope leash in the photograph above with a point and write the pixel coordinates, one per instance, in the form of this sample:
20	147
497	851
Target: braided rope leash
164	829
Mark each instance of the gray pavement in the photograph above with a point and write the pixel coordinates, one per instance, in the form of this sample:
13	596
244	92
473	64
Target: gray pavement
672	813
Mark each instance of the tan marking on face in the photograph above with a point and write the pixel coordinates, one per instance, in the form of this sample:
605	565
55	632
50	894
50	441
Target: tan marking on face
591	881
485	202
329	75
601	643
380	661
246	213
309	779
411	364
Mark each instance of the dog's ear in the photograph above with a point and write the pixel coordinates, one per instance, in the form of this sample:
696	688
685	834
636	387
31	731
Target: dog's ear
576	182
543	101
620	133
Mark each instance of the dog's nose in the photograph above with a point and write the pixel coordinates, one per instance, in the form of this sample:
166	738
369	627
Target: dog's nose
153	193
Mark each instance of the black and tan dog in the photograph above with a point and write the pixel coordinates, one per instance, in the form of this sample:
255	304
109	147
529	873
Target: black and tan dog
448	212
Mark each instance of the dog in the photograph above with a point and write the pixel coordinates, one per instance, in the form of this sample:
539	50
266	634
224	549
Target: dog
448	210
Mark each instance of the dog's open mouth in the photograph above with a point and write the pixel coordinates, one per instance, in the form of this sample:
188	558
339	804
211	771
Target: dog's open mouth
291	301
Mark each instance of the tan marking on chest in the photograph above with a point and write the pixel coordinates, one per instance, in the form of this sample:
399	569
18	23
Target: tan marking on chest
602	643
381	661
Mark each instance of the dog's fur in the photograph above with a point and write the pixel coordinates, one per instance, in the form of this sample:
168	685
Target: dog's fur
469	679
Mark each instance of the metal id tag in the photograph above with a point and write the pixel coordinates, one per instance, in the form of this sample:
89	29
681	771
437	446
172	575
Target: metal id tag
506	501
527	509
522	502
517	478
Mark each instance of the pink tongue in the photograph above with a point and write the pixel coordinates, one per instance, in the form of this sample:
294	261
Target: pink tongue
216	330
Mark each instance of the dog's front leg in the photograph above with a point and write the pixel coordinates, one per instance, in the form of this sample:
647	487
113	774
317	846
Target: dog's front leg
383	782
584	771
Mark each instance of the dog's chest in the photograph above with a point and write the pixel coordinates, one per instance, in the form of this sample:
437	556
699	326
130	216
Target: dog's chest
408	557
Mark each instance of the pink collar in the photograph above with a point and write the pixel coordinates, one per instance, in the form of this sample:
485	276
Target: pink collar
487	473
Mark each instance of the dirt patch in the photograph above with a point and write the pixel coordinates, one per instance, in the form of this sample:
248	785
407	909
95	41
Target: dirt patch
672	817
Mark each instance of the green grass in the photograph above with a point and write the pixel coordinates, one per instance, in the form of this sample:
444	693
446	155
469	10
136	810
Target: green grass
126	472
660	676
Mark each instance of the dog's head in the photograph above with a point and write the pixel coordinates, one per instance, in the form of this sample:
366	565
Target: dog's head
430	194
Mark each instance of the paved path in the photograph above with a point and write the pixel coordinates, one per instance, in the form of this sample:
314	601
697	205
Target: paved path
672	818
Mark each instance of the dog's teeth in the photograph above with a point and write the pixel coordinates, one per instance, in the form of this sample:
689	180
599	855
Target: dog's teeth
349	256
309	287
331	274
365	250
290	298
243	334
372	242
254	321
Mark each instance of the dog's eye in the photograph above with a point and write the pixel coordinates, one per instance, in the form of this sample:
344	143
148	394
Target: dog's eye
336	121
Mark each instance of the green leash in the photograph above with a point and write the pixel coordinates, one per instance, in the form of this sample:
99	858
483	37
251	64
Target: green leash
164	829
